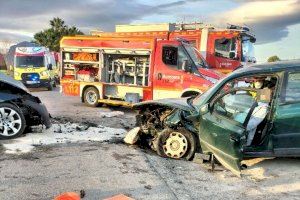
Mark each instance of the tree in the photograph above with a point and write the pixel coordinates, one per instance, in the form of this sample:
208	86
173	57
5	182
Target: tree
273	59
5	45
51	37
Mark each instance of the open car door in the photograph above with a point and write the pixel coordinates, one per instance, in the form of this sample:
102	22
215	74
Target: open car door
223	128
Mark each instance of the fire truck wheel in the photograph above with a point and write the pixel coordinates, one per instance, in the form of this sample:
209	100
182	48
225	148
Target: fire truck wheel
91	97
176	144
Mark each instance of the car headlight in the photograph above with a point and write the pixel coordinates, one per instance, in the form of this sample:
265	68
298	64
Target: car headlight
44	73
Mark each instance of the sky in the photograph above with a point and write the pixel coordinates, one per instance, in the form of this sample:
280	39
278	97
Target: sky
276	23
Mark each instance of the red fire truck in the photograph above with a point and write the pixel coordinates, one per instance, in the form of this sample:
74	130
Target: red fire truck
224	49
119	70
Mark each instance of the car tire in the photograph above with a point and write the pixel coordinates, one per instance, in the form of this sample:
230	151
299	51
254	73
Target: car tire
50	87
12	121
176	144
91	97
54	84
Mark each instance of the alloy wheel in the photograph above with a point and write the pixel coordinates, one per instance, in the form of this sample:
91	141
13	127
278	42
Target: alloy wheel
10	122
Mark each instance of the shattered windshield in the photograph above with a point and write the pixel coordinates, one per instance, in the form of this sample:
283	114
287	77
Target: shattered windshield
29	61
247	50
200	98
196	56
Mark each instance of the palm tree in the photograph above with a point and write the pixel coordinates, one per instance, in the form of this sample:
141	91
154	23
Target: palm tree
50	37
58	24
74	31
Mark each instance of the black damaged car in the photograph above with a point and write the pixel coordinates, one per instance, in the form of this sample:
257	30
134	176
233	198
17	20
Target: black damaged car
19	109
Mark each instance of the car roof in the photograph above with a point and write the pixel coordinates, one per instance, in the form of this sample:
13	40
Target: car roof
268	67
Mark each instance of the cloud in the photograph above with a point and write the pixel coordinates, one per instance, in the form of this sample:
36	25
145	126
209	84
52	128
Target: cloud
34	15
20	19
269	19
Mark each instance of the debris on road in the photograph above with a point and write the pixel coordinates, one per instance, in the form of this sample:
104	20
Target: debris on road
62	133
111	114
132	136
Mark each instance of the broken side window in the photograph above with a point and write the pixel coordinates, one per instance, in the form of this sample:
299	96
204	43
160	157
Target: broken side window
293	88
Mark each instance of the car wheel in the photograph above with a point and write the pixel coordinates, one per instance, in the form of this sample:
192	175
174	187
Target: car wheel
50	87
91	97
177	144
12	121
54	84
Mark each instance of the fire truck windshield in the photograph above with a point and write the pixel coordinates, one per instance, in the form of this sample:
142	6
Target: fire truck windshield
247	50
196	56
29	61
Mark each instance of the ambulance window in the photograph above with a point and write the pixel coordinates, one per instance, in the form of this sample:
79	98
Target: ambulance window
53	61
169	56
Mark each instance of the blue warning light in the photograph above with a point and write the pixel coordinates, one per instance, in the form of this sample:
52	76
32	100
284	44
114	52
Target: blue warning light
34	78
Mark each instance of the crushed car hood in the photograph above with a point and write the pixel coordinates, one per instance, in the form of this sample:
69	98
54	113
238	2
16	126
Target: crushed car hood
180	103
9	80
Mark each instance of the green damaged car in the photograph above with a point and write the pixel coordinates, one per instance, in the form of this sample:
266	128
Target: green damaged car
253	112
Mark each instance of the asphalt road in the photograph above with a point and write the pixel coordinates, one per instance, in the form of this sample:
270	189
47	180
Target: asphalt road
110	168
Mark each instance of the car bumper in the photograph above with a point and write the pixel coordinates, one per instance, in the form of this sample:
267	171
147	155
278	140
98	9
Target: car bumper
41	110
41	83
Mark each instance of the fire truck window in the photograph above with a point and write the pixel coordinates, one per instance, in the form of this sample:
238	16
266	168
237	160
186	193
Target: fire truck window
170	56
181	58
224	46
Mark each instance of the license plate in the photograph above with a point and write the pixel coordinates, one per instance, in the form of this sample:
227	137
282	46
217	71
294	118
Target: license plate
32	82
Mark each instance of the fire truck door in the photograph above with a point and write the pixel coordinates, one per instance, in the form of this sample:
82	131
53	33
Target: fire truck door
169	74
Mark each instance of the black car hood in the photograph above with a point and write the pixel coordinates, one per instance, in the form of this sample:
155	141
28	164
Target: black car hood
9	80
180	103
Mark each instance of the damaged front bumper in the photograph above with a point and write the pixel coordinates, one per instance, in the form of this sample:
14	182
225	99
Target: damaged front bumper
41	110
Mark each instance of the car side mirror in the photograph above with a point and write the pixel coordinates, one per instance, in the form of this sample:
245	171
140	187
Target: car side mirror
50	67
186	66
232	55
204	109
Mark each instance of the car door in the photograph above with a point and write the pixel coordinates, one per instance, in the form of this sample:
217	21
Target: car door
286	125
222	130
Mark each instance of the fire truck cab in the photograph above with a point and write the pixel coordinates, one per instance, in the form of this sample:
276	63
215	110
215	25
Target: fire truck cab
122	71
